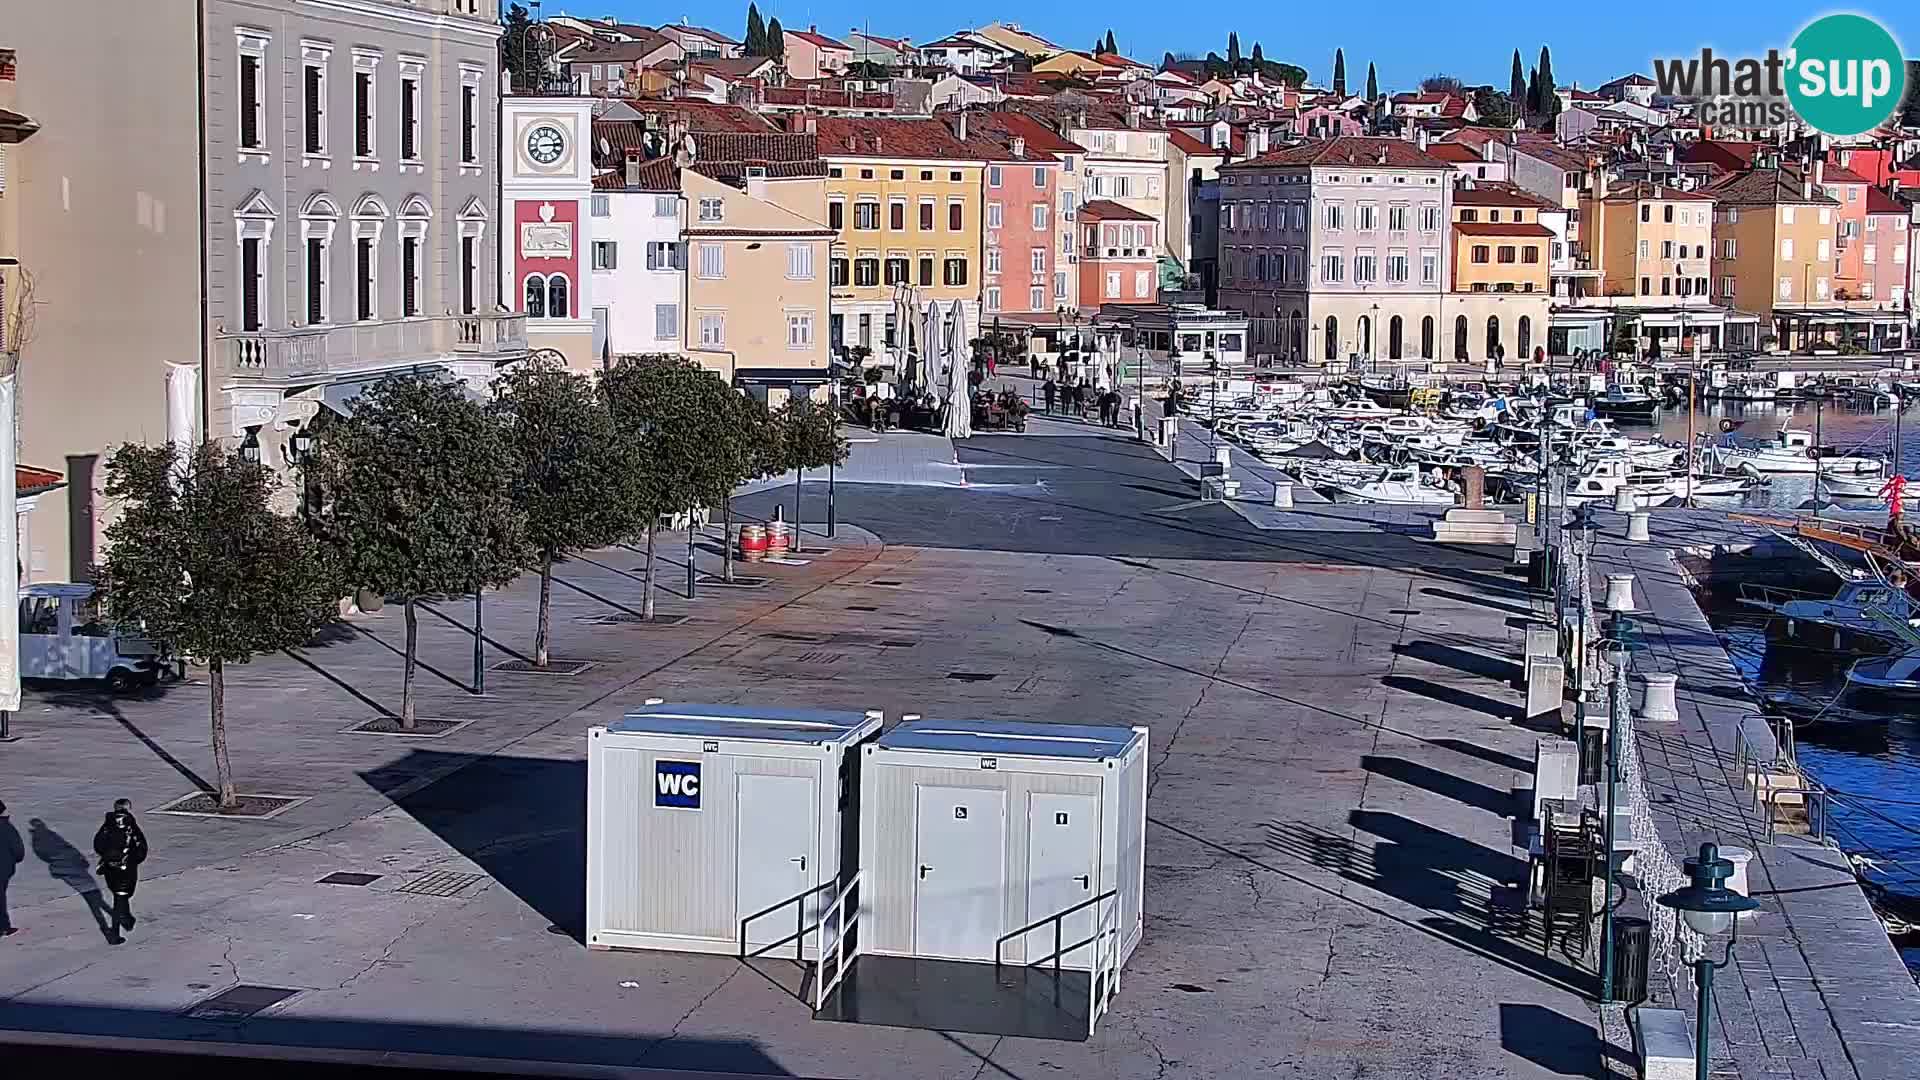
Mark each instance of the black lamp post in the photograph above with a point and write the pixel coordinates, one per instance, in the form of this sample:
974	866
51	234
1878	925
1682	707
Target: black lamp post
1709	908
1616	648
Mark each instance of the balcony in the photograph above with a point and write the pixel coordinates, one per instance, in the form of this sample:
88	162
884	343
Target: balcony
321	353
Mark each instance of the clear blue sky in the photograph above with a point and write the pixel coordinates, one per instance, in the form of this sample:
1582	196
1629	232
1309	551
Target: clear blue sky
1472	39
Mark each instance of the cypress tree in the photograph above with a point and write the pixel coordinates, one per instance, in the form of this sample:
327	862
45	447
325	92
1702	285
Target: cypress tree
1373	83
1340	72
1166	62
1233	48
1549	102
1258	59
756	43
1517	83
1533	94
1111	47
776	40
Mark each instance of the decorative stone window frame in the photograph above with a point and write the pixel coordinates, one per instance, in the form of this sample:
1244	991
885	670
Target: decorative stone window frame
416	214
252	41
369	222
316	55
254	219
471	222
472	77
412	67
318	220
366	61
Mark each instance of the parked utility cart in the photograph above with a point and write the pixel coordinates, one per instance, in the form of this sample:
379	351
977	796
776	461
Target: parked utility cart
64	636
719	828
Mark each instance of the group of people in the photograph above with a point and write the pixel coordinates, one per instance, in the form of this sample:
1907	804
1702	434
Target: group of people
1072	396
118	845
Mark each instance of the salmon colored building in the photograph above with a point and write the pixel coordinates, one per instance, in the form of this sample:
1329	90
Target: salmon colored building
1018	227
1118	260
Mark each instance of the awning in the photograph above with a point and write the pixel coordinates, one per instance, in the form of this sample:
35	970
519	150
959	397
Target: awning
1839	315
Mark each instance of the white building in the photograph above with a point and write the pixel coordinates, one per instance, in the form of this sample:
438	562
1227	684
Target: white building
546	166
639	258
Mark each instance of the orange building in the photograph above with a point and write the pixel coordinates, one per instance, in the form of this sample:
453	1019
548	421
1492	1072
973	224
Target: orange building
1118	255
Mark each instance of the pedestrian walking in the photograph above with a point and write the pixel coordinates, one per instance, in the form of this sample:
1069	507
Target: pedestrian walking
13	852
122	847
1048	391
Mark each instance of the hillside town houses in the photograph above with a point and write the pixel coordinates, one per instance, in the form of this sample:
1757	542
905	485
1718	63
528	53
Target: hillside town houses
403	184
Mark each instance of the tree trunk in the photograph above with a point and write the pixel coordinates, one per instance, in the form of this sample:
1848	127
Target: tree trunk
412	661
545	626
726	539
646	605
798	472
222	765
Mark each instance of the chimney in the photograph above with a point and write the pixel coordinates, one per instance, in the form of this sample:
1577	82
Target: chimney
960	129
850	143
1669	153
1893	185
633	168
813	126
1806	184
1819	170
1420	137
1019	146
1599	184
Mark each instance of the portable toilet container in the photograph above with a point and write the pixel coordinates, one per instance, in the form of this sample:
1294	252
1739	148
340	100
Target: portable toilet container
719	828
972	831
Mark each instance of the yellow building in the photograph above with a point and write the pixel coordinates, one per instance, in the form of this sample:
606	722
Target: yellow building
1773	237
1070	63
1500	297
1648	240
904	199
14	128
757	280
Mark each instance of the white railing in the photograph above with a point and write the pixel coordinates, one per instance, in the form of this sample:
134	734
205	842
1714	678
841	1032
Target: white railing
1103	981
353	347
838	920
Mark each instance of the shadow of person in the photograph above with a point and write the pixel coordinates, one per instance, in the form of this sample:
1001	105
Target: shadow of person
66	864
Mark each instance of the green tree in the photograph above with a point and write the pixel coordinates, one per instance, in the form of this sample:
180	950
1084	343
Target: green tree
806	436
776	40
1517	82
1533	95
1167	62
1373	83
1340	72
1258	59
513	44
199	561
1494	107
1549	101
868	69
756	42
1111	48
416	499
573	476
1233	48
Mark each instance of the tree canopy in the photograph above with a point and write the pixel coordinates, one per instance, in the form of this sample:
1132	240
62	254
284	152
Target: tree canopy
776	39
1373	83
1340	72
199	561
756	38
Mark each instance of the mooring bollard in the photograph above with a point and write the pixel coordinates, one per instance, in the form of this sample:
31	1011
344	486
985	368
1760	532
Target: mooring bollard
1623	499
1619	592
1282	493
1739	857
1657	702
1637	522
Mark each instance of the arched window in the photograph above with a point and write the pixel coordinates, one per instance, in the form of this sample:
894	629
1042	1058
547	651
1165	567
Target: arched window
1393	338
1526	337
1460	338
1493	335
1366	335
1426	338
536	296
1333	338
557	298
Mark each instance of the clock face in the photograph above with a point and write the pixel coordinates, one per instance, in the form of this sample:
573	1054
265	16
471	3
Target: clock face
545	144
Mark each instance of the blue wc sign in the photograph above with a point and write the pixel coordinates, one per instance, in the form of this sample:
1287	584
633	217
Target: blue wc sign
677	784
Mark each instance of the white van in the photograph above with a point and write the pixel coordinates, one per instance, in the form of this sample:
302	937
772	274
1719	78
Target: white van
62	636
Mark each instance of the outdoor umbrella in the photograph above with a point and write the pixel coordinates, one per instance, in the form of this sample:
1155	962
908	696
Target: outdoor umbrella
903	352
959	359
930	348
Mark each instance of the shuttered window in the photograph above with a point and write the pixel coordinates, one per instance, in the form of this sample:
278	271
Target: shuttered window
250	289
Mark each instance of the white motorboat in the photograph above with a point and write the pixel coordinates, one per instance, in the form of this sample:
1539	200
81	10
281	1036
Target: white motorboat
1792	451
1400	486
1863	606
1602	478
1864	487
1897	675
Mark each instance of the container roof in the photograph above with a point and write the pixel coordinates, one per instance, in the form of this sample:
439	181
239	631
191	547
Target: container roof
767	724
1012	738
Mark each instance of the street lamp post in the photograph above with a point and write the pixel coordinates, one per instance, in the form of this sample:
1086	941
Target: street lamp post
479	645
1709	909
1617	649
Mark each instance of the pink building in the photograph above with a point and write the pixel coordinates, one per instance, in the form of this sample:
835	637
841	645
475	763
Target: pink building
1884	250
1118	261
1849	189
813	55
1021	194
1326	122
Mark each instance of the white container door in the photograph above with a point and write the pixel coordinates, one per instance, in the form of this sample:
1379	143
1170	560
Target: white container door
960	872
1063	842
777	848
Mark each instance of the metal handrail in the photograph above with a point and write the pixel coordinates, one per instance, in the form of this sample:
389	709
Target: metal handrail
1103	980
800	923
836	913
1057	920
1814	795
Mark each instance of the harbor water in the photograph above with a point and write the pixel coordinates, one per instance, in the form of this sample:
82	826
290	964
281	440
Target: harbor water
1850	430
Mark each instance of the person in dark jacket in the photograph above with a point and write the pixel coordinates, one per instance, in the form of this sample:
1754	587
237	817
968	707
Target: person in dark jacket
122	847
1048	392
13	852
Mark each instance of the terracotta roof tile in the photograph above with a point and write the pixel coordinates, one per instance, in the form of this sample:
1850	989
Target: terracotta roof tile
842	137
1766	187
1006	124
1190	145
1879	202
817	39
826	98
1640	190
701	115
1840	174
1351	150
1501	228
656	175
1108	210
1487	193
1457	153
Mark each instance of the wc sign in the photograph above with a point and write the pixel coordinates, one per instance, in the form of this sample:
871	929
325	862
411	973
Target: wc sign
676	784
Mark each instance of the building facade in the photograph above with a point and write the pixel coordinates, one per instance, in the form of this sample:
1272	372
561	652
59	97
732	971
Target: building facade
1119	255
1331	240
637	222
757	292
1501	262
345	228
546	200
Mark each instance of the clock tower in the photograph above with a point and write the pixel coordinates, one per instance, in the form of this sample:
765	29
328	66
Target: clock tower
546	186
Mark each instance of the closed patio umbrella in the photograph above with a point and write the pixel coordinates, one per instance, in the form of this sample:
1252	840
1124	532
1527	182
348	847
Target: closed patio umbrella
959	357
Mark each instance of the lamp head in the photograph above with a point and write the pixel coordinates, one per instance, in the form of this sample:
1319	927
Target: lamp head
1705	903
